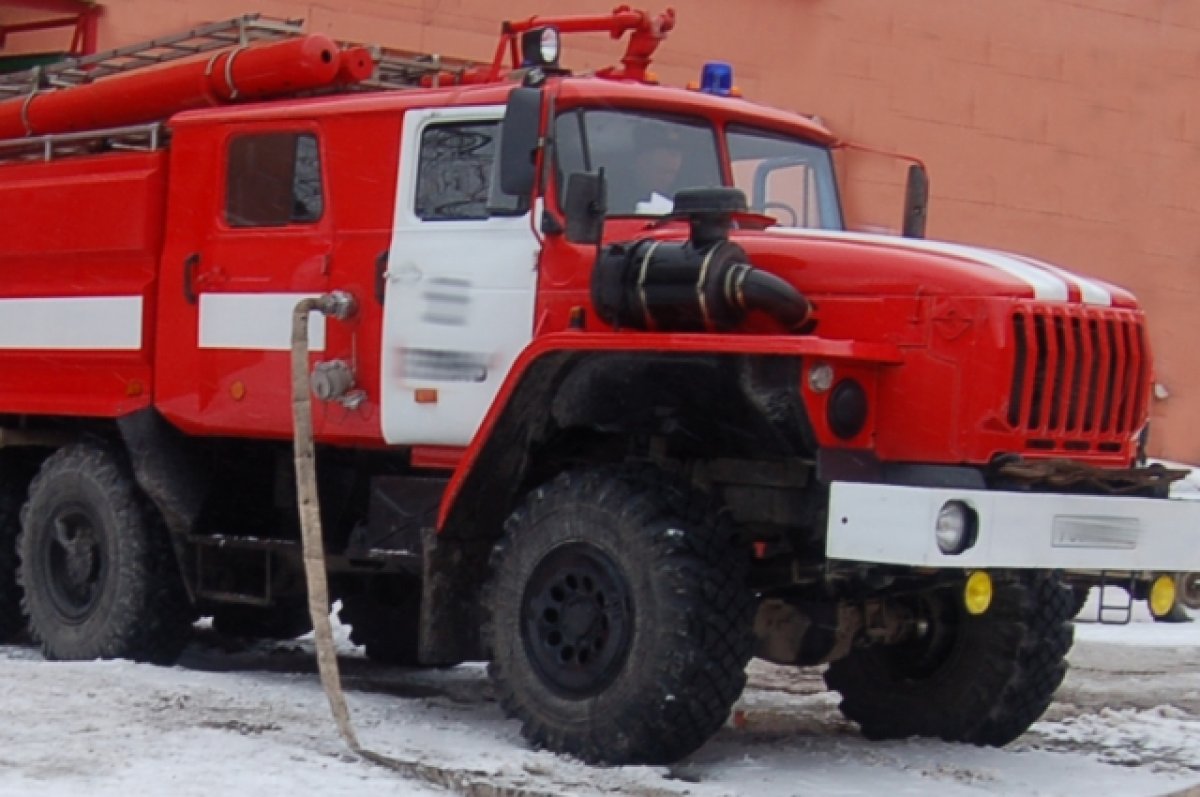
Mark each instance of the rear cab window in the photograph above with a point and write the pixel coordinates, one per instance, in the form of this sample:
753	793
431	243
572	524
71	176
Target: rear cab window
273	180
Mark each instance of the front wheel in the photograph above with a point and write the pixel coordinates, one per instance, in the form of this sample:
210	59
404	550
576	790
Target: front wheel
978	679
620	623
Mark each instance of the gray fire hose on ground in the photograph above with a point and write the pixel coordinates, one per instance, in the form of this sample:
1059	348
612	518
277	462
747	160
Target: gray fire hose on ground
341	306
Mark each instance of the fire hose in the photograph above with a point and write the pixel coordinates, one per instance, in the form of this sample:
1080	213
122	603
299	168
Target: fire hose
341	305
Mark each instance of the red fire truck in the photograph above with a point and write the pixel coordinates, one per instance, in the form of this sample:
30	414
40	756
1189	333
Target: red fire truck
605	393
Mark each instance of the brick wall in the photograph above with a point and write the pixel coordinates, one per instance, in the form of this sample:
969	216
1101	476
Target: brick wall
1067	129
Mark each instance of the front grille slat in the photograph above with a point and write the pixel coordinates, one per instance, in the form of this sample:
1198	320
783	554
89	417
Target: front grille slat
1112	371
1016	396
1058	393
1078	376
1078	357
1038	394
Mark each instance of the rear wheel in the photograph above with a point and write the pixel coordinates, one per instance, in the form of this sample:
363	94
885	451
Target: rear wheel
979	679
99	576
620	623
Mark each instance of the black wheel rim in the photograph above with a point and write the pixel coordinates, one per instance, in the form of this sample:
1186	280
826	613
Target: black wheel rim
577	620
74	562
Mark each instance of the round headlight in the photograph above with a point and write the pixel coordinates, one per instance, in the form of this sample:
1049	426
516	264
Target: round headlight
847	410
955	529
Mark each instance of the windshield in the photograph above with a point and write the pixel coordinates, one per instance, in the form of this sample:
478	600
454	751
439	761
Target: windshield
648	157
785	177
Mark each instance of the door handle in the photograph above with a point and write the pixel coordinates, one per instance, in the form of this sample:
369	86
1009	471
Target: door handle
190	263
407	273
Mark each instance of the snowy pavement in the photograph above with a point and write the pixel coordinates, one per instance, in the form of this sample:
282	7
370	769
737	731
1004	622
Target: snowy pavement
254	720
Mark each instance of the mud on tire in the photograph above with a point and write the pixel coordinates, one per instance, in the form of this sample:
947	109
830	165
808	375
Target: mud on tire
99	576
982	680
619	621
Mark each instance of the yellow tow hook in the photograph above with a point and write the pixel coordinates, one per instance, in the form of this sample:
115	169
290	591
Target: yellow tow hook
977	594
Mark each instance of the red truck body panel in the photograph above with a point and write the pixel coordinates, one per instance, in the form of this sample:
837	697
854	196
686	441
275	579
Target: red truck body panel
80	262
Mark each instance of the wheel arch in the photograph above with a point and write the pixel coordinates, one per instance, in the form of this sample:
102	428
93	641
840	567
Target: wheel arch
571	407
602	406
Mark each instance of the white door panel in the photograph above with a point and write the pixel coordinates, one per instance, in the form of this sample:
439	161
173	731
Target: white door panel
458	306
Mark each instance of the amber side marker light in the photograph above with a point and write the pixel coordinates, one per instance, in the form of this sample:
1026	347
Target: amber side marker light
977	594
1162	596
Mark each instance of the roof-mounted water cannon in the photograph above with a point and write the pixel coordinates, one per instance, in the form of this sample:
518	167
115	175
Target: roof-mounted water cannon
529	41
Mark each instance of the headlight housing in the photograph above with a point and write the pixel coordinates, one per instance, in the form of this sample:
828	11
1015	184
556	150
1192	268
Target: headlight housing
956	528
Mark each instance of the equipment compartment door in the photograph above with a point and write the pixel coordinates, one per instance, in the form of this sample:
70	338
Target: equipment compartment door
460	279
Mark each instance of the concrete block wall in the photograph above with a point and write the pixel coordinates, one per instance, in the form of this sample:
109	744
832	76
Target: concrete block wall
1066	129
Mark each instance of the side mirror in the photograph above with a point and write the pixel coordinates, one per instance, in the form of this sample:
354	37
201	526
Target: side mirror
519	141
916	202
585	206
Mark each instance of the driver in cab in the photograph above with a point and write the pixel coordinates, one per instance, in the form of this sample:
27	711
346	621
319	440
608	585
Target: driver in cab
657	161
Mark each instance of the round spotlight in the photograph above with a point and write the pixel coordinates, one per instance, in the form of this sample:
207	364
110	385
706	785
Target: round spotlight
955	528
820	377
847	409
540	47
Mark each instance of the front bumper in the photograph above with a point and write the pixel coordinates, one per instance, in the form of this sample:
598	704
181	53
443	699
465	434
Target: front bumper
886	524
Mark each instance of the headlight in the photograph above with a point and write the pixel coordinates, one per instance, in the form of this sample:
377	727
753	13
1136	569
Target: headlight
955	529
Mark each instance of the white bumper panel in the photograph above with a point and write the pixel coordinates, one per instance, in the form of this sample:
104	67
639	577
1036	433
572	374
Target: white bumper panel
895	525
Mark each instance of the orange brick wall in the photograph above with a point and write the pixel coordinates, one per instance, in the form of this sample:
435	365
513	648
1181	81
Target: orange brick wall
1067	129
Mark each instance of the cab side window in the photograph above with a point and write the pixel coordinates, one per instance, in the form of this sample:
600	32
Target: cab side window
457	172
273	179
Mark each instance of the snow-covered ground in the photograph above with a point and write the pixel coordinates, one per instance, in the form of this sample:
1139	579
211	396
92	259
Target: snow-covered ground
253	720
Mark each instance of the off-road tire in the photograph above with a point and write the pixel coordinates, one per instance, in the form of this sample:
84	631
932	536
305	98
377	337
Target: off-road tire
12	495
994	677
1177	614
283	621
1079	598
679	618
133	605
386	630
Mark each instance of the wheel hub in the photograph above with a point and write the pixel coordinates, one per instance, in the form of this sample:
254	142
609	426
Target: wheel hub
73	563
578	619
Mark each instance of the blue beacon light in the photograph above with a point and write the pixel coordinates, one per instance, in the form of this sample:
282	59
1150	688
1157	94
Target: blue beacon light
717	78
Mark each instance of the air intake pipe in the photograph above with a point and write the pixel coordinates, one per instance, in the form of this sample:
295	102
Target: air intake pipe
702	284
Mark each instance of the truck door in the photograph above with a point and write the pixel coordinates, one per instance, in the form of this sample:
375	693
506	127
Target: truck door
251	236
459	282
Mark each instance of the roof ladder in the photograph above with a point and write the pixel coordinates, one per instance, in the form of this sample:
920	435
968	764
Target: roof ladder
241	30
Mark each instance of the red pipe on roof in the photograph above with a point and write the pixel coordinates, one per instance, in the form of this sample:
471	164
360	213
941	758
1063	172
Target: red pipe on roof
148	95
